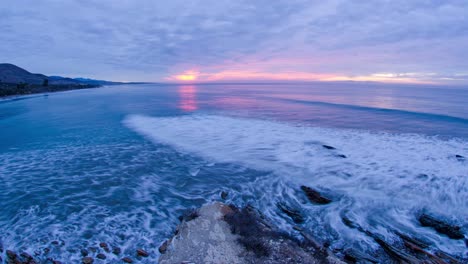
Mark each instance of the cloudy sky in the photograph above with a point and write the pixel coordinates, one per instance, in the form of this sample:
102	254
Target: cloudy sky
236	40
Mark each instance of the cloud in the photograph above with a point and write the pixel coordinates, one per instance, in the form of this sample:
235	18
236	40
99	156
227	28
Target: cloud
149	40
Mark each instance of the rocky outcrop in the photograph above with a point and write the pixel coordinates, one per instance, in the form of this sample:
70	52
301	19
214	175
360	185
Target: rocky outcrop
226	234
442	227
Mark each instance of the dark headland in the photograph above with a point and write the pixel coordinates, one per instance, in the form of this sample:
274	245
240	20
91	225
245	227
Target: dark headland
18	81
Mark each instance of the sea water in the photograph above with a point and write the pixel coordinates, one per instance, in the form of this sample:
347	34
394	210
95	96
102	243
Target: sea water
119	164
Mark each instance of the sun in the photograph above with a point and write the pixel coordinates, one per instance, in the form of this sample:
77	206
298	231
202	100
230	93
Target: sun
187	76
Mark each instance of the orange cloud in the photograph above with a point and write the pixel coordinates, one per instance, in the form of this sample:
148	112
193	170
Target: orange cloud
245	75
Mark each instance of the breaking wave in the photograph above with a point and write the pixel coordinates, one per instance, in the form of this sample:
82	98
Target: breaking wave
380	180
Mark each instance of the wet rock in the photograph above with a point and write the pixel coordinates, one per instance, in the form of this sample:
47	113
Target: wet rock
442	227
116	250
224	195
227	234
188	215
93	249
314	196
84	252
163	248
55	243
104	246
127	260
140	252
428	256
101	256
354	256
291	212
399	255
26	256
87	260
11	255
460	158
447	257
328	147
412	240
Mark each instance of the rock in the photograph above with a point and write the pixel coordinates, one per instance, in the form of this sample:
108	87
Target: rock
11	255
93	249
26	256
140	252
104	246
447	257
291	212
188	215
341	156
46	251
116	250
163	248
451	231
84	252
415	248
356	256
314	196
224	195
412	240
101	256
227	234
55	243
127	260
56	262
328	147
87	260
460	158
399	255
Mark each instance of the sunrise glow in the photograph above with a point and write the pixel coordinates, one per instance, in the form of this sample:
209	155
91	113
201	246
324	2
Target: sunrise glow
186	76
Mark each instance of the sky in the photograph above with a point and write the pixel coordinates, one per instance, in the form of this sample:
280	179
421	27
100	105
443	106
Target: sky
418	41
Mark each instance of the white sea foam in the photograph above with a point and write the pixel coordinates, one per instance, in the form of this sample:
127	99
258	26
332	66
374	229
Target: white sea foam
383	182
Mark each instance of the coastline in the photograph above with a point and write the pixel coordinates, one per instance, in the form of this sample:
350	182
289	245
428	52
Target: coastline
10	90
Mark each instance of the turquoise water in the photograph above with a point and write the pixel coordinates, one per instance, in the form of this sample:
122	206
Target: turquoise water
119	164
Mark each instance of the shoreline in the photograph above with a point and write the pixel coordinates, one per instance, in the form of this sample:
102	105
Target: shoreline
42	90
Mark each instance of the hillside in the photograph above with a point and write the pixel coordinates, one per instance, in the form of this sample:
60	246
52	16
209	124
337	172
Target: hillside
15	81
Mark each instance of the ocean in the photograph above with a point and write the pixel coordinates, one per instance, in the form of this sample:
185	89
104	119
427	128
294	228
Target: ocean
120	164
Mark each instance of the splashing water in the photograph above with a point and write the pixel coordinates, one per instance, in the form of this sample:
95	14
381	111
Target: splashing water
383	181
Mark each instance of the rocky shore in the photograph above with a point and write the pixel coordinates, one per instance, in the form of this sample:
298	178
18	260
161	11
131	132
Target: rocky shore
224	233
221	233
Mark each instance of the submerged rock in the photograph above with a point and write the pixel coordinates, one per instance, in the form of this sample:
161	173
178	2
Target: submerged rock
163	248
442	227
314	196
116	250
227	234
101	256
84	252
328	147
354	256
224	195
140	252
291	212
127	260
11	255
87	260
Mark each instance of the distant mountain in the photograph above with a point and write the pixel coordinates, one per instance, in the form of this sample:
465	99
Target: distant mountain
10	73
17	81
